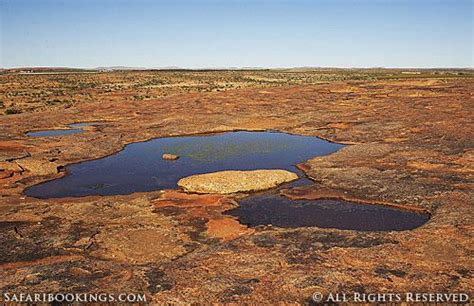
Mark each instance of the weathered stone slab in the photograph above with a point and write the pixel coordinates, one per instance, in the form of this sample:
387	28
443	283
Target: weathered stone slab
226	182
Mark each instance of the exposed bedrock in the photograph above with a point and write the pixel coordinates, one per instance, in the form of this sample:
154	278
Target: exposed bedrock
413	146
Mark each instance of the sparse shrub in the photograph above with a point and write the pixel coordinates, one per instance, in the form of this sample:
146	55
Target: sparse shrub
12	110
53	102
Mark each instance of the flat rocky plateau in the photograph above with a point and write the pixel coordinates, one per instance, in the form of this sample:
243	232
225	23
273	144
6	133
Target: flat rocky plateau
411	146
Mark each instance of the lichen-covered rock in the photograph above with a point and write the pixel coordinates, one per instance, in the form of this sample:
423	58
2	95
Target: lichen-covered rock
38	167
226	182
168	156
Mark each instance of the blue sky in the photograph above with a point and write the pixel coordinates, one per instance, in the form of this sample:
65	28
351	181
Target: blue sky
245	33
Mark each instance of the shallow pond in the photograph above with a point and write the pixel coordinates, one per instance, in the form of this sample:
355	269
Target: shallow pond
280	211
52	133
74	129
139	167
84	124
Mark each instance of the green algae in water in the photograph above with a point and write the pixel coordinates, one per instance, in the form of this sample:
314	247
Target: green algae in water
208	152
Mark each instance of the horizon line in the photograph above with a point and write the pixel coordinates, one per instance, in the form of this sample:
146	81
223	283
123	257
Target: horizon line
121	67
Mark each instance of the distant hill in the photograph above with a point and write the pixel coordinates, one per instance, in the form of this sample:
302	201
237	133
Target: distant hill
47	70
112	68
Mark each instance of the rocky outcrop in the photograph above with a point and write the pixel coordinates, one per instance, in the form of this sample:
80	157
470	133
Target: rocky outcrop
226	182
38	167
168	156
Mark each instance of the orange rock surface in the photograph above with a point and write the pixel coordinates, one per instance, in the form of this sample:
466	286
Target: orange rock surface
412	146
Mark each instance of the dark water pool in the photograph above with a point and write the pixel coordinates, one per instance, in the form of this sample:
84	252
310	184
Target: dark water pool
84	124
277	210
74	129
51	133
139	167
